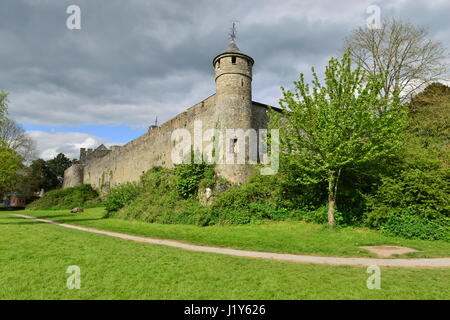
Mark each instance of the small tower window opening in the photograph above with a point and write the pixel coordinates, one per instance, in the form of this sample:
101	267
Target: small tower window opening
218	64
233	60
242	82
234	146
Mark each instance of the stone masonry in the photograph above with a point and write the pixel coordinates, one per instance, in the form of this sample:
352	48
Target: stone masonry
231	107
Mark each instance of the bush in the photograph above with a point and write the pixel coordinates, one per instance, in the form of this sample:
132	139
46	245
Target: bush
157	200
79	196
188	177
422	193
122	195
247	203
411	226
320	216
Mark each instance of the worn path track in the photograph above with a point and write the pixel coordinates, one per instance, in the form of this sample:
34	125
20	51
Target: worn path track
402	263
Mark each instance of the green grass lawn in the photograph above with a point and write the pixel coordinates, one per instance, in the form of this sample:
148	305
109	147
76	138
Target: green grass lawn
284	237
34	258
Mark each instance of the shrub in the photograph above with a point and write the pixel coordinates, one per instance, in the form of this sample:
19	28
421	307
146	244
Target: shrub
411	226
158	178
188	177
122	195
247	203
422	193
83	195
157	201
320	215
239	196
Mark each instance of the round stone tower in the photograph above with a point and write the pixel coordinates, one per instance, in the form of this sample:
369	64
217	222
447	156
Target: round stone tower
233	77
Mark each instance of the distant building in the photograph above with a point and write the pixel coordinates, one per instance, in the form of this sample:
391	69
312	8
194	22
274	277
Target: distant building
14	200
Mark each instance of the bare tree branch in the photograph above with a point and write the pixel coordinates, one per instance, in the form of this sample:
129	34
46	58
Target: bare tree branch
17	139
402	52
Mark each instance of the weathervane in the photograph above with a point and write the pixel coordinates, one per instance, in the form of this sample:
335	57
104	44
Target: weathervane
233	32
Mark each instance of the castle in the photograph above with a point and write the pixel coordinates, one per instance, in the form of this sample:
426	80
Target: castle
230	107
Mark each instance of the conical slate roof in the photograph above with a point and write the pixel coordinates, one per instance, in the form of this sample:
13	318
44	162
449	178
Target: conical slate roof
232	48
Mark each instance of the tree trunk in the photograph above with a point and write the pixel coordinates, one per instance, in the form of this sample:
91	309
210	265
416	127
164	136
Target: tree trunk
333	180
331	203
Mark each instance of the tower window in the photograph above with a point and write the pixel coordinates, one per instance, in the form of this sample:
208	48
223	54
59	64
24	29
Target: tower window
218	64
234	146
233	60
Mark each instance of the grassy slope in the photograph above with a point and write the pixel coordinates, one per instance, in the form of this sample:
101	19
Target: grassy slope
285	237
34	257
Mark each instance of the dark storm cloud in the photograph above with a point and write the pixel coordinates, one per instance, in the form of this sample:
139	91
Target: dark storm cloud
134	60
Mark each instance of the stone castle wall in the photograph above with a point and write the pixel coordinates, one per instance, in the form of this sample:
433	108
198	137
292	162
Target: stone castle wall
90	155
154	148
231	107
73	176
127	163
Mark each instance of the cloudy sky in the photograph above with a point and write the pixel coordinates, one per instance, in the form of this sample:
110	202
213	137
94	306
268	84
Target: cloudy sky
133	61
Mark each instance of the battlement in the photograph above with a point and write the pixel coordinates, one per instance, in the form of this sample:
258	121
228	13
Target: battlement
89	155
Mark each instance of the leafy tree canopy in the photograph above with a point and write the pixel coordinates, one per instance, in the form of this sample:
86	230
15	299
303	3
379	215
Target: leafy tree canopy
10	164
338	124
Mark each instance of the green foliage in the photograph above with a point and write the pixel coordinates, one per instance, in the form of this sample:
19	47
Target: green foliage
247	203
429	126
413	180
10	163
292	192
57	166
158	200
158	178
79	196
411	226
319	215
121	195
189	175
338	125
423	193
42	174
419	179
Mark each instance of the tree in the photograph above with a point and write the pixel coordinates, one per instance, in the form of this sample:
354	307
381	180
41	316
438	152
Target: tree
58	165
10	164
13	134
337	126
402	52
418	184
41	177
48	174
16	139
434	94
3	105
